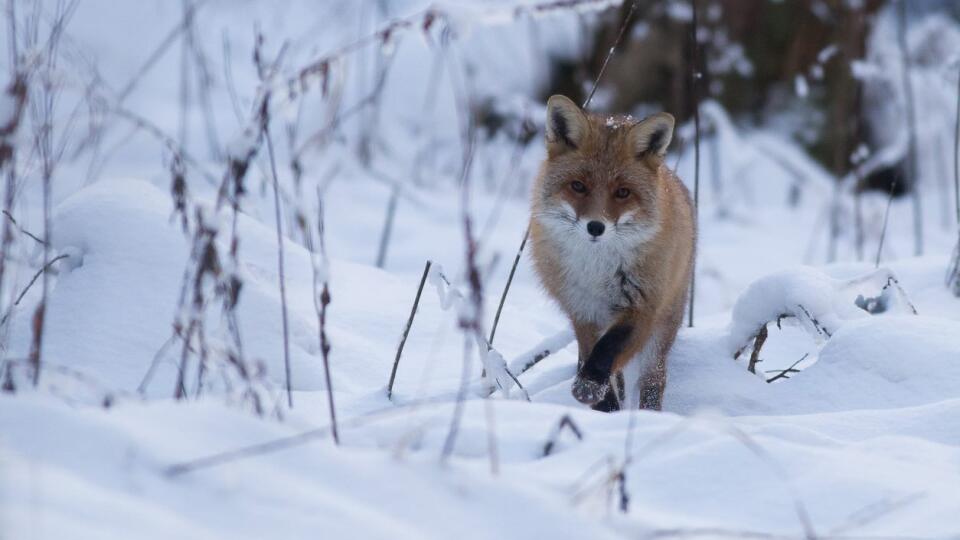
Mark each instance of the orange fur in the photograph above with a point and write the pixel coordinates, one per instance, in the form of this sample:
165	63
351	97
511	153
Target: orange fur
634	276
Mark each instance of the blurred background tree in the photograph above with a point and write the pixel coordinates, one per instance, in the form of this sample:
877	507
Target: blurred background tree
785	64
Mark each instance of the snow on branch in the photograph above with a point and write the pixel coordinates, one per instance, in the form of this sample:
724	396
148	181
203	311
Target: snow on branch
818	303
496	374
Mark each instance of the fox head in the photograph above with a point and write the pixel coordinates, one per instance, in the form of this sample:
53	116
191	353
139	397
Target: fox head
599	182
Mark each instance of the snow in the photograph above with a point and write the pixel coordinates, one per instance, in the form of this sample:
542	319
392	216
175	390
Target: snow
869	424
861	441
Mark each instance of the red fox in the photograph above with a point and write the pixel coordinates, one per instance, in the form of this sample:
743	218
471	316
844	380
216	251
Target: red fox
612	234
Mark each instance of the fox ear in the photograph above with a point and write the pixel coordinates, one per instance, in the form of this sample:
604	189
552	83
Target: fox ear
566	125
652	135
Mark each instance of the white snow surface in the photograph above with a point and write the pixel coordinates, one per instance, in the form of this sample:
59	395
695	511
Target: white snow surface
863	441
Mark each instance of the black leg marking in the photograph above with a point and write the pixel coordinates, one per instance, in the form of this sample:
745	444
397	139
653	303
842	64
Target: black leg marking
600	363
593	380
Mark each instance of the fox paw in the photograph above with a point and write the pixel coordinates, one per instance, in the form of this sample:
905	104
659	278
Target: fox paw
589	392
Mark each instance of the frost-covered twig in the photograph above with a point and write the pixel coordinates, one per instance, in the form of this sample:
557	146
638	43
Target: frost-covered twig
545	348
886	299
496	374
321	301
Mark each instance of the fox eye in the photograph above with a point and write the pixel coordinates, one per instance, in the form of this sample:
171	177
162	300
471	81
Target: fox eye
622	193
578	186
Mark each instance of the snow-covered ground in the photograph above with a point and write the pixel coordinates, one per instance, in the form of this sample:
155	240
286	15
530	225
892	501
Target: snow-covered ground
862	441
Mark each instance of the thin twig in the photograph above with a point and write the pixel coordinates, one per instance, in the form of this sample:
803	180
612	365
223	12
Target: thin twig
21	229
886	218
565	422
33	280
783	373
245	452
695	95
280	259
914	181
506	288
388	227
956	154
323	300
757	345
606	60
264	119
406	330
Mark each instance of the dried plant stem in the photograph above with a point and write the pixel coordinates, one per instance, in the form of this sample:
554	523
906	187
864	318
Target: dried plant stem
21	229
321	302
613	48
506	288
757	345
858	175
785	373
956	155
33	280
914	181
278	218
406	329
245	452
388	227
565	422
18	93
953	270
886	219
695	85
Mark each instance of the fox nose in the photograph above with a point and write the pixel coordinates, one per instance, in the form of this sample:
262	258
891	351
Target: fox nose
595	228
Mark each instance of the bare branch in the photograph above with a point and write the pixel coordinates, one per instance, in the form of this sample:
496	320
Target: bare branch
565	422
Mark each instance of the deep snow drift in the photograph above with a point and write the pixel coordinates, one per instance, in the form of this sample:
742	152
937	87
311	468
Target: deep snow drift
863	441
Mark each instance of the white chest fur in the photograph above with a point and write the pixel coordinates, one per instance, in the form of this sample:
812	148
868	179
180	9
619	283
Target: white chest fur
595	273
595	283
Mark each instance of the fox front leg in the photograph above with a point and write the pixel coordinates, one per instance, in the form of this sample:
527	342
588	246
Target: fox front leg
593	379
612	351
